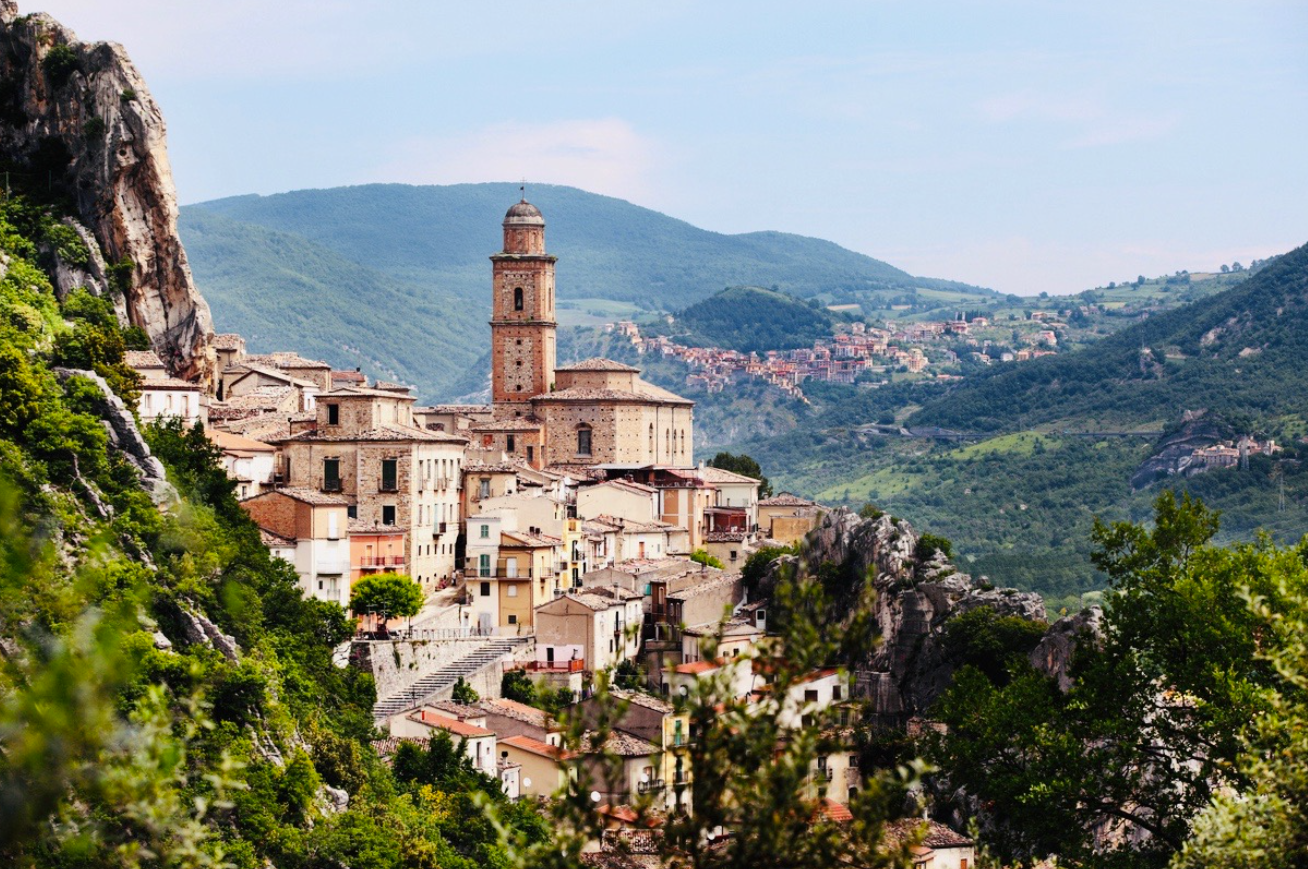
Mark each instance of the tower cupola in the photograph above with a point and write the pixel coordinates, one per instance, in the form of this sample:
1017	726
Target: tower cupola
524	229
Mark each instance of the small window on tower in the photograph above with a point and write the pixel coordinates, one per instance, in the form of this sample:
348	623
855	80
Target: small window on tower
583	440
517	298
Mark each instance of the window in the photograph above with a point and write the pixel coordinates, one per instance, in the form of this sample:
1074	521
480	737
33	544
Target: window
352	512
512	443
485	587
331	475
483	569
390	469
483	490
513	620
531	453
583	440
810	696
512	590
485	532
517	298
835	692
388	515
333	414
733	555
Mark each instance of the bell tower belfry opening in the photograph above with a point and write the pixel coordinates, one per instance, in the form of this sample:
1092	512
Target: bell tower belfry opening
522	319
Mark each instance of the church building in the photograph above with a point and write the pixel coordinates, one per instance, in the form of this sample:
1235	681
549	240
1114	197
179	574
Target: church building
596	412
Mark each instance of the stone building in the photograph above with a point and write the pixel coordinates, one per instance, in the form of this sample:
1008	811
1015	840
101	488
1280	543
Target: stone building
596	412
363	444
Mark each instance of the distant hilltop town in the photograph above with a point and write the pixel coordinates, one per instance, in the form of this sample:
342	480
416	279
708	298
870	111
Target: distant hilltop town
855	351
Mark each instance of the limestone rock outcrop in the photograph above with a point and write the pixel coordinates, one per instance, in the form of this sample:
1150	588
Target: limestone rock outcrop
78	123
913	600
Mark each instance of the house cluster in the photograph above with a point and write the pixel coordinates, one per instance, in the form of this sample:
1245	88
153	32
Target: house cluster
567	511
1224	455
842	359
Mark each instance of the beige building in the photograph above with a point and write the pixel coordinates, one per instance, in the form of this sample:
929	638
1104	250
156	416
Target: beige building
316	524
248	462
545	768
478	743
592	413
161	395
363	445
787	518
600	629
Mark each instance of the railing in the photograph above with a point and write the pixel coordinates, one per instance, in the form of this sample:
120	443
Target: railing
332	485
478	573
648	787
576	665
382	561
439	528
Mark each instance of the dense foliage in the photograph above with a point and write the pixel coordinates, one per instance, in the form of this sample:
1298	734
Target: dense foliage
745	466
1160	710
751	320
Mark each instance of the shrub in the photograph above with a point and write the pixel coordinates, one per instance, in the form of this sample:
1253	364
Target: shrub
701	556
60	62
929	544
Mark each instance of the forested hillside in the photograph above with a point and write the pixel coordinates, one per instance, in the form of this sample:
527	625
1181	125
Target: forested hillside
1239	352
751	320
414	261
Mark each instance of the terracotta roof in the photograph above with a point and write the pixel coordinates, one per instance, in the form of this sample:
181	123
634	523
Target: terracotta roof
142	359
462	710
363	392
831	810
640	698
454	726
465	409
934	834
636	527
234	443
487	468
170	383
717	583
272	538
385	432
535	746
507	425
694	668
307	496
391	386
725	537
624	744
527	539
517	711
359	527
786	499
590	601
587	393
227	341
729	629
711	474
348	377
599	364
284	359
630	484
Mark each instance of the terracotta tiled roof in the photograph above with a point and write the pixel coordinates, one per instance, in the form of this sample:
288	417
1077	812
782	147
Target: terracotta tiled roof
695	668
535	746
517	711
231	442
640	698
587	393
142	359
307	496
227	341
527	539
465	409
934	834
272	538
718	475
598	364
831	810
717	583
507	425
462	710
624	744
725	537
454	726
398	433
169	383
785	499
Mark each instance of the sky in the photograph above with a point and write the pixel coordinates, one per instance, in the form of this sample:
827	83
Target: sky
1024	145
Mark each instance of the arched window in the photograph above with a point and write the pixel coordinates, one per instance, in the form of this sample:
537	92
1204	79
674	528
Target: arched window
583	440
517	298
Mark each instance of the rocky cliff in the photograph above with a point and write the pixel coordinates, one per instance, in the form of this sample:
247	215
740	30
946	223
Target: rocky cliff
78	125
913	600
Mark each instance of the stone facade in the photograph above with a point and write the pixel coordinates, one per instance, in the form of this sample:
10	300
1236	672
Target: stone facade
522	320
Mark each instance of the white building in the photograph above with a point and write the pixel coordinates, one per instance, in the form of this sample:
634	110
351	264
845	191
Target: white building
318	525
249	462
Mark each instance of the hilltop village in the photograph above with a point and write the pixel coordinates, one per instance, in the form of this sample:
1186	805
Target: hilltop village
856	352
559	532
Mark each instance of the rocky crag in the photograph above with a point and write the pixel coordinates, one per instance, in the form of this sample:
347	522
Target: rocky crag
78	124
912	601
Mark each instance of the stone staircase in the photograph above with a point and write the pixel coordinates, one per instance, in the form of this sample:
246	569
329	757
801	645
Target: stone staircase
440	679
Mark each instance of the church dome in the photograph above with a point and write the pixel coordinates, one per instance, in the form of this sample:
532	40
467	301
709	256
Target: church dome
524	214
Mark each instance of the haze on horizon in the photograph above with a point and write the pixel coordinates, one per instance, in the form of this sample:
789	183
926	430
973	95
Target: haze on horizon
1016	144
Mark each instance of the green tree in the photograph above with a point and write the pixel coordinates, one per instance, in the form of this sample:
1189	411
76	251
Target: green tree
742	464
1152	725
391	595
464	693
701	556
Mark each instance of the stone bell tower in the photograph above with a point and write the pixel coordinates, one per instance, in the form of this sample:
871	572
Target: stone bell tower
522	319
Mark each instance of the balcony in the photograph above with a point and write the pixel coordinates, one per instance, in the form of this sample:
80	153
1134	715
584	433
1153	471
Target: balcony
331	485
478	573
576	665
649	787
382	561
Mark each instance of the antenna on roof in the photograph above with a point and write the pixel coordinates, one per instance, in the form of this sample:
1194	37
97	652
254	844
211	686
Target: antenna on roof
522	188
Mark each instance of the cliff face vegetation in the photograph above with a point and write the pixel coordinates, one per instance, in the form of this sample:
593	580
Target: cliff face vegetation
78	126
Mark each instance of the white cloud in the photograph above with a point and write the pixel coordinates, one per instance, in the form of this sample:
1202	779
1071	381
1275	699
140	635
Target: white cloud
602	155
